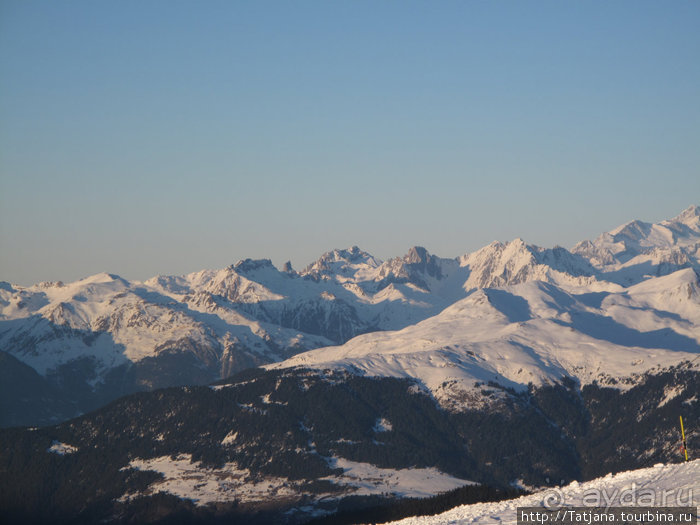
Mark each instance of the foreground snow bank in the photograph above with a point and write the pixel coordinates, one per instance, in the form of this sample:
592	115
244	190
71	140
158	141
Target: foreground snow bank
661	485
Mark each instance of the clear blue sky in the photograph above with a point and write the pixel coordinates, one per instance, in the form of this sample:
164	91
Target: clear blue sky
154	137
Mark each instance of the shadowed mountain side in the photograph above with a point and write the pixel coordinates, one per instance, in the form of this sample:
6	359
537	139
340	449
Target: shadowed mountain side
331	318
98	371
26	397
515	308
607	329
592	299
218	326
636	273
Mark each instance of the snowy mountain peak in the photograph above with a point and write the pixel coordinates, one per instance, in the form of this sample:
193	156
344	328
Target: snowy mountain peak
342	265
47	284
251	265
352	255
418	267
632	230
417	254
422	261
98	278
355	255
637	250
516	262
690	216
685	227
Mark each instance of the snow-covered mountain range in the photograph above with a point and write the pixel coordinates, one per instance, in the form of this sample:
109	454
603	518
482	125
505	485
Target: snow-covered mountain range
620	305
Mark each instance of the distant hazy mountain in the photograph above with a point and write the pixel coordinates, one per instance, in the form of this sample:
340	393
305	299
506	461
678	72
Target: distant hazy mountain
639	250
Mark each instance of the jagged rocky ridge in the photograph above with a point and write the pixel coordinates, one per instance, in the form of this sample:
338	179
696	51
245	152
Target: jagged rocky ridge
68	348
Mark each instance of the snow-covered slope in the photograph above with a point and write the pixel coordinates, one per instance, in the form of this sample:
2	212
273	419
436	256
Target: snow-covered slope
676	485
185	478
534	332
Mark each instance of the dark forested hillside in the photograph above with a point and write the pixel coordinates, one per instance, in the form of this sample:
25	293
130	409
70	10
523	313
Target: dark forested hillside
284	429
